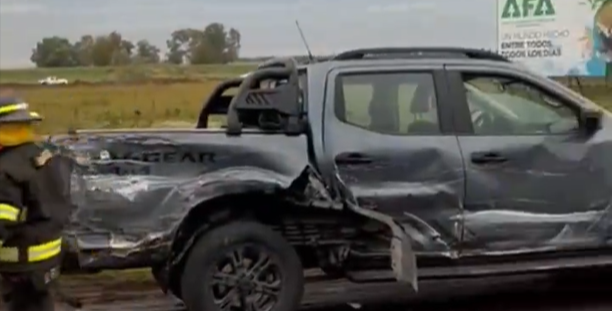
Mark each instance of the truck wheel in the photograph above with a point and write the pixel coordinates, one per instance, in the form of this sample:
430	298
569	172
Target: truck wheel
243	265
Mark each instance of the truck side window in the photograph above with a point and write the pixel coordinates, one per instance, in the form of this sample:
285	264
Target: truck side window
501	105
389	103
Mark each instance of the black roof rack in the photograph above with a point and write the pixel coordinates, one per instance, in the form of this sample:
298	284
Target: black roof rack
276	108
419	52
277	62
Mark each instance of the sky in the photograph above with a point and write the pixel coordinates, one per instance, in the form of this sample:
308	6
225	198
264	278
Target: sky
267	26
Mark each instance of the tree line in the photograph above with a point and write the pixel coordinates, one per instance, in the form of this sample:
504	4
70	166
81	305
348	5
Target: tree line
215	44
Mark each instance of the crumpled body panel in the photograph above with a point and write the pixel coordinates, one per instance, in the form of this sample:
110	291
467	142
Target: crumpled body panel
132	190
421	188
553	193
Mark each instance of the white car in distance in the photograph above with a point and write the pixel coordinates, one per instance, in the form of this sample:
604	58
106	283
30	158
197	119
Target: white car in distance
53	81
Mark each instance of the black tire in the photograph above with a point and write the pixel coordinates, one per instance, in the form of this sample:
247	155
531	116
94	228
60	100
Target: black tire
212	247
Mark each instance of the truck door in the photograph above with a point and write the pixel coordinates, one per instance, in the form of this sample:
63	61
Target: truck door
389	132
535	181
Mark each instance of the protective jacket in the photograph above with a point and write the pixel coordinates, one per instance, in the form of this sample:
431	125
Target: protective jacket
34	208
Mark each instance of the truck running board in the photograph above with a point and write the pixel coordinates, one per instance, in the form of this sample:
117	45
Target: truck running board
483	270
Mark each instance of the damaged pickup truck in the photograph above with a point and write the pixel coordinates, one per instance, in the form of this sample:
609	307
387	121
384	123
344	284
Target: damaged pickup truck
362	165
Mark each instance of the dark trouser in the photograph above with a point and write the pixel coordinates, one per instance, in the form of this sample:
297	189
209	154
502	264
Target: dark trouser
27	291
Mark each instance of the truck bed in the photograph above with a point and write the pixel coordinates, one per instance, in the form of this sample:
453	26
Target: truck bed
132	188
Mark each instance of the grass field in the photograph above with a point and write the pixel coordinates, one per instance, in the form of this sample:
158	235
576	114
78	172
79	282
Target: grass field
145	105
149	96
148	105
117	106
134	73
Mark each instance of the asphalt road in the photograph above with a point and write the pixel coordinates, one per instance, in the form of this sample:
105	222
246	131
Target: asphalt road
524	293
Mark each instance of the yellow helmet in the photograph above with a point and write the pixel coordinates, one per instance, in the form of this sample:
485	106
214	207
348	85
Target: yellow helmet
15	110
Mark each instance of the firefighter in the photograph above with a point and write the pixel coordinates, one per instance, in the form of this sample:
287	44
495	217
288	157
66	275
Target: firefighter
33	211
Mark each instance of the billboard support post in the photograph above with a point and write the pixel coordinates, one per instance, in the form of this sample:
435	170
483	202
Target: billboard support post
578	84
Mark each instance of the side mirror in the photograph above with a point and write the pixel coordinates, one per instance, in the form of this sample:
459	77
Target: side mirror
590	120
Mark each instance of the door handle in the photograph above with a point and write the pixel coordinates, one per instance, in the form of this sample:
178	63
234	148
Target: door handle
488	157
353	158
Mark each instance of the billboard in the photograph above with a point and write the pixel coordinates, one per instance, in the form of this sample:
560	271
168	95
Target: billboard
557	37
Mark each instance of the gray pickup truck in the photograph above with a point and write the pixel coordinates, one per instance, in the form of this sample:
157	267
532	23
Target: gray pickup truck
390	164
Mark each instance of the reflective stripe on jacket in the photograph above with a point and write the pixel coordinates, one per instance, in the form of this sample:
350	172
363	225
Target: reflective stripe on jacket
32	209
31	254
11	215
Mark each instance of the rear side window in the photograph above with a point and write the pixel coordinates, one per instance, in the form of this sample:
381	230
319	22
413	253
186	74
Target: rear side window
388	103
